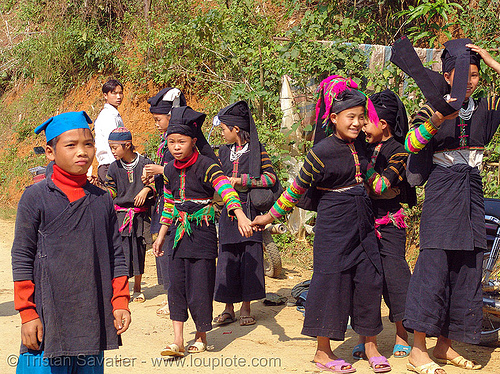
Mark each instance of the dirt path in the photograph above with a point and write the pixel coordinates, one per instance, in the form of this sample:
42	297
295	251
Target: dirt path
273	345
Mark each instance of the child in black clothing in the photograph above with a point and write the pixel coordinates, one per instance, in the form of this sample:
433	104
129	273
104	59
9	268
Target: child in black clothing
130	195
388	188
70	275
240	267
347	278
190	182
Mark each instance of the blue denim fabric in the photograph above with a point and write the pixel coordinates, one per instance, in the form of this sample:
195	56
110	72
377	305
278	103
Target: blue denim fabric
38	364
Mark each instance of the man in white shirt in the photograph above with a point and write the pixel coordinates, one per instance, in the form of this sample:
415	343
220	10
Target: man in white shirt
108	120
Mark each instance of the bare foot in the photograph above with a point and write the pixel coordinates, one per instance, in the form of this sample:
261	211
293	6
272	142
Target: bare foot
371	350
443	350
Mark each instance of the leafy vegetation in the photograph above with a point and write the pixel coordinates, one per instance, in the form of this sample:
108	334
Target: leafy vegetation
220	51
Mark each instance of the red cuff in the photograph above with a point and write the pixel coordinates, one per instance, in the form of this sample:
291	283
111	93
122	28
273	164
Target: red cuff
23	300
121	294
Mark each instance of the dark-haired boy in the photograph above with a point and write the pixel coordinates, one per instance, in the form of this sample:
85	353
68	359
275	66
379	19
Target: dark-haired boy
108	120
69	270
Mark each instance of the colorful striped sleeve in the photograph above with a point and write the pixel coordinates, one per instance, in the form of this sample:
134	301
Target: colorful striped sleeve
110	185
422	131
268	177
223	187
168	206
392	174
310	172
266	180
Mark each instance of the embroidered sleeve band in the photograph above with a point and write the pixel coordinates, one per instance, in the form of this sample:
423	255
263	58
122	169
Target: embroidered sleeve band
266	180
168	206
418	137
309	172
223	187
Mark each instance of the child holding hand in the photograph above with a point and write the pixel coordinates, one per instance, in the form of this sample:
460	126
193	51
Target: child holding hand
240	267
347	278
190	182
388	188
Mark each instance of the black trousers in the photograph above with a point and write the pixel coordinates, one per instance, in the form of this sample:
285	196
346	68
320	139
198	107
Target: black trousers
445	295
333	297
192	284
240	273
396	271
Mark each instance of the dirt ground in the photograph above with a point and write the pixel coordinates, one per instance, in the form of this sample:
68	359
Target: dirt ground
273	345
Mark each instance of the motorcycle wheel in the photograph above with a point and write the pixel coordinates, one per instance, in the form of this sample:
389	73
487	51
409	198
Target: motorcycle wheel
490	333
272	257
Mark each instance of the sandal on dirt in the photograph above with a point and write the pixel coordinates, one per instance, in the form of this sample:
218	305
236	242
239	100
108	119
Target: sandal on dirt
247	323
358	352
428	368
461	362
336	366
138	297
197	347
172	350
382	362
406	349
220	320
164	311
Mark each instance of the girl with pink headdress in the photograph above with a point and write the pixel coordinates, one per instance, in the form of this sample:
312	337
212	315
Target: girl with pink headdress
347	278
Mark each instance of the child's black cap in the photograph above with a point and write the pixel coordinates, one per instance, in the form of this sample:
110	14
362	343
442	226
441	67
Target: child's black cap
236	114
453	49
390	108
186	121
165	100
120	135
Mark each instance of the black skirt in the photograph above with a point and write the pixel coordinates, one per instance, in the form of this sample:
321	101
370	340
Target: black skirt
453	205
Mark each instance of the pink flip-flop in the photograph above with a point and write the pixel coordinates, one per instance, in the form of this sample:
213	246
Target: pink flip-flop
336	366
382	361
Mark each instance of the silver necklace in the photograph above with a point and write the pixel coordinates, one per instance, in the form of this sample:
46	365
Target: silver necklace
466	114
129	167
237	154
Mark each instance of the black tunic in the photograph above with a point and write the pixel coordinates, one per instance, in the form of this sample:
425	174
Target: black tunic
198	186
453	195
124	192
229	233
71	251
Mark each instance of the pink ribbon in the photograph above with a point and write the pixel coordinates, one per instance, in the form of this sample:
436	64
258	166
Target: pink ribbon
129	216
397	219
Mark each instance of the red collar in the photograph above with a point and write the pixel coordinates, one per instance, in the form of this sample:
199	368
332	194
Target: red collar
188	161
69	183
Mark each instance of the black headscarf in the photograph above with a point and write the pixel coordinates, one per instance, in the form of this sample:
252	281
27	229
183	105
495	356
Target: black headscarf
165	100
431	83
390	108
455	48
238	114
185	121
348	99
